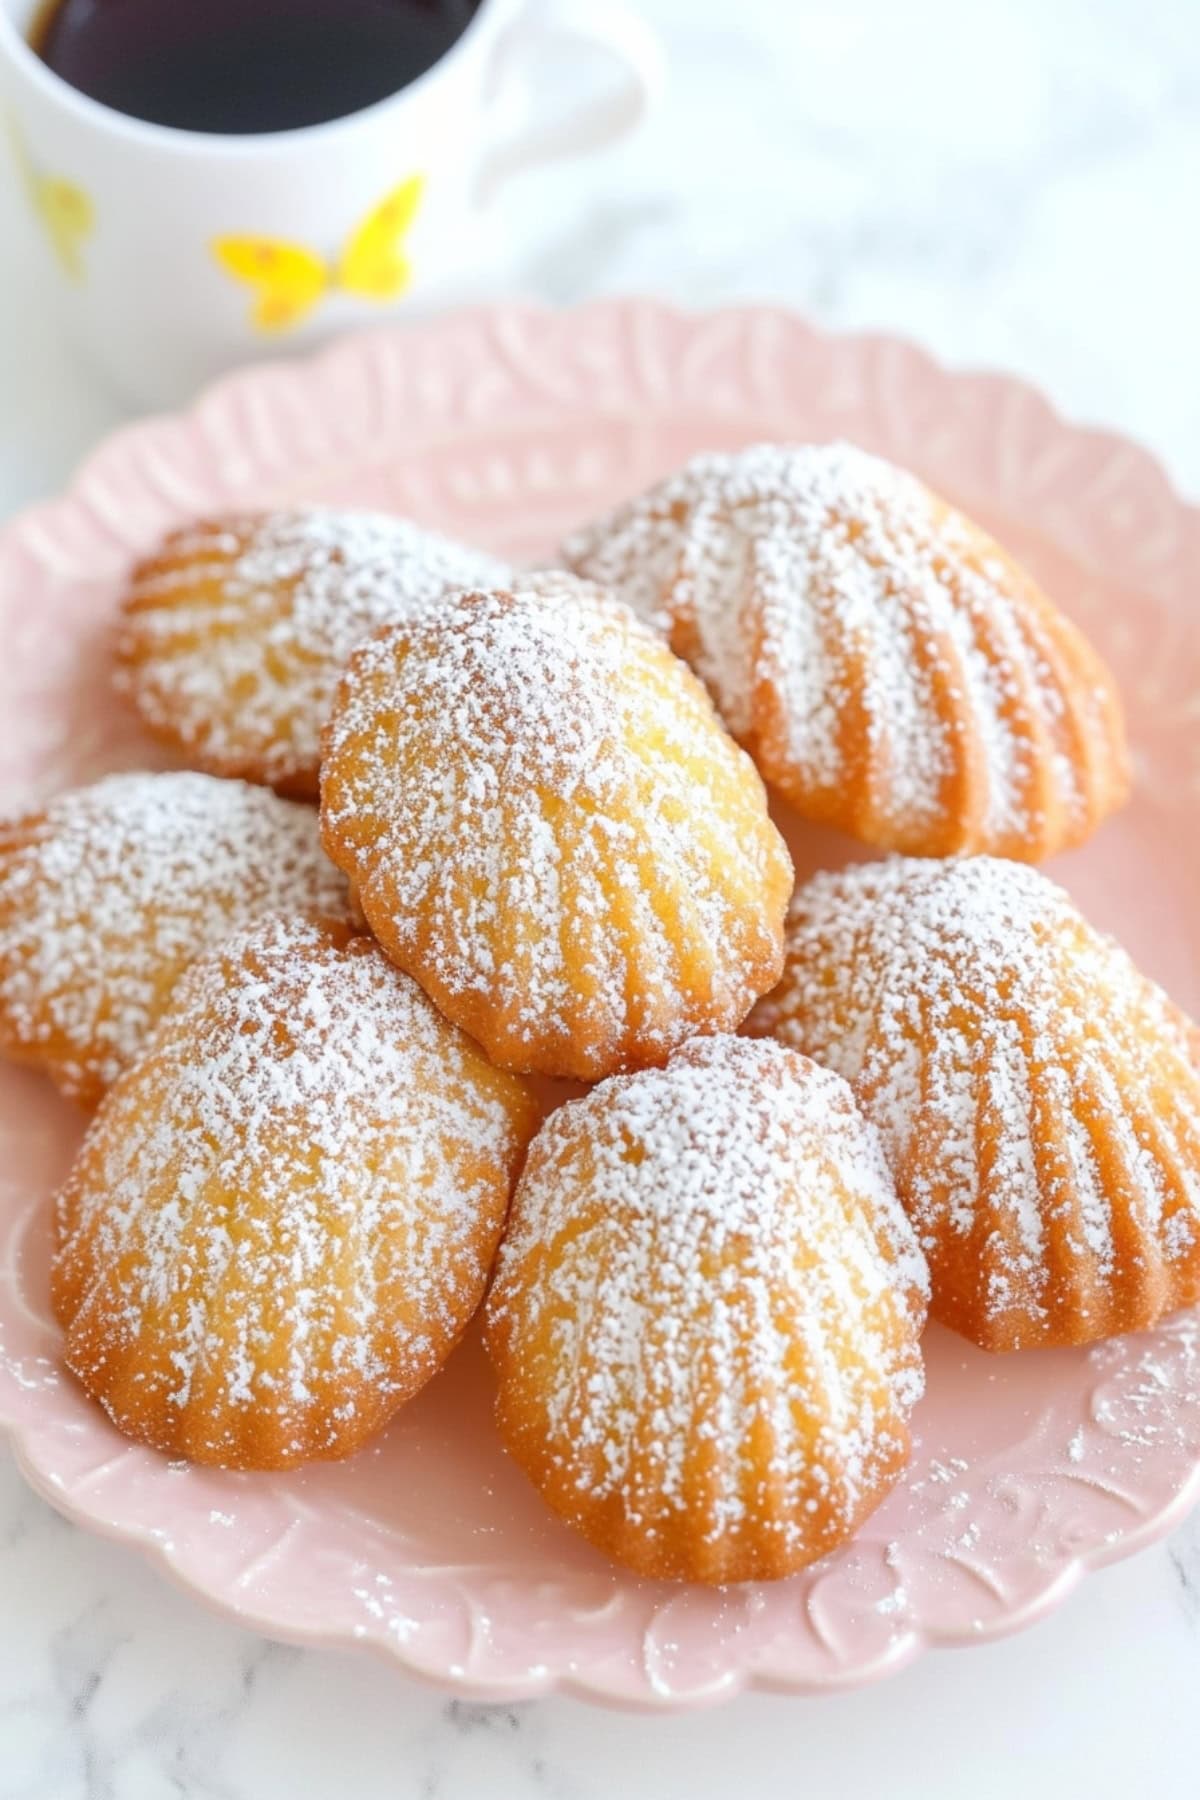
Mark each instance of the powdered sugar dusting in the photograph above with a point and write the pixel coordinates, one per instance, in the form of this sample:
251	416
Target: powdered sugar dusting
548	826
1038	1098
887	667
707	1265
236	633
284	1214
108	894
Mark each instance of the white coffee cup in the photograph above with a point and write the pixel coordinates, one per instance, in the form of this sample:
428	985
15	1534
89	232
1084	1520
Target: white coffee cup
174	254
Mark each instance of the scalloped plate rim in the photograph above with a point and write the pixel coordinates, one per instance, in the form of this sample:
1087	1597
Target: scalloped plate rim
901	1652
351	344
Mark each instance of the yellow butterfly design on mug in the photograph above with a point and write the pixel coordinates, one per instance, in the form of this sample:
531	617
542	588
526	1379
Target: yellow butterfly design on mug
289	280
65	211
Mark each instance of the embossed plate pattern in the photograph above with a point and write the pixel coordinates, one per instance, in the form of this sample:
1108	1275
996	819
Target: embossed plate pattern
507	426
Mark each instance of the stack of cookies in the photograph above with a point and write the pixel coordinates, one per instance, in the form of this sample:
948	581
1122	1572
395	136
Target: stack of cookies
316	1039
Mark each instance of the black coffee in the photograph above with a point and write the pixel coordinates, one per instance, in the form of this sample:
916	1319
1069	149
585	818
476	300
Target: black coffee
245	65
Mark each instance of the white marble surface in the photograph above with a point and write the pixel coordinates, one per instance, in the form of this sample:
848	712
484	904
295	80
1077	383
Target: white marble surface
1012	185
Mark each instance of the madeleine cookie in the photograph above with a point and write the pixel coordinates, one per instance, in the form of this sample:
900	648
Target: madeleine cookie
109	891
1038	1097
891	670
285	1212
235	632
546	824
706	1314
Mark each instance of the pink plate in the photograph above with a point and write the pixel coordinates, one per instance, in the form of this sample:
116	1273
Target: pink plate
506	426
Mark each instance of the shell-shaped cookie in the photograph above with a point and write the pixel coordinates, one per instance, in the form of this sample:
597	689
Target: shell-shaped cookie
547	825
705	1315
891	670
233	635
285	1212
1038	1098
110	891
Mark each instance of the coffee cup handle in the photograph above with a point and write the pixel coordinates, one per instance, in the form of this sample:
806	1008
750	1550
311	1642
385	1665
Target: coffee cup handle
609	32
